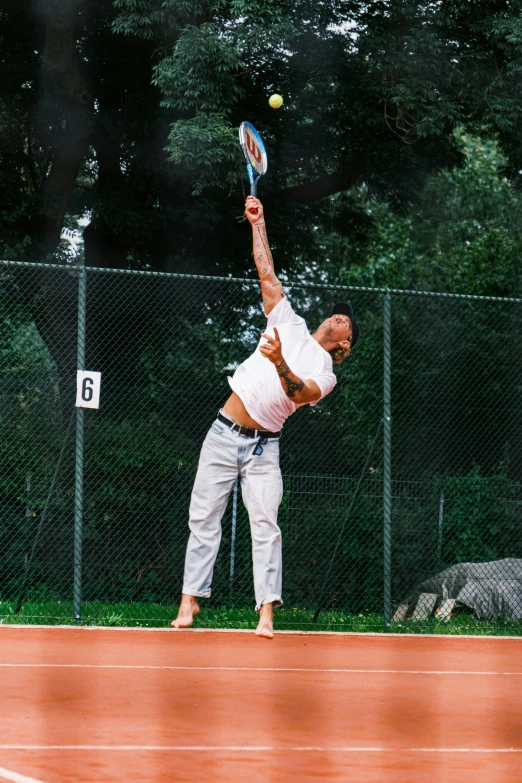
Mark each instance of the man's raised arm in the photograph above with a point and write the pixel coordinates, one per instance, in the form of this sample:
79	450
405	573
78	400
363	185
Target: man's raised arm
271	288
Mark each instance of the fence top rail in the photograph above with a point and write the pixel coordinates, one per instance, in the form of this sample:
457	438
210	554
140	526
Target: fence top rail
255	282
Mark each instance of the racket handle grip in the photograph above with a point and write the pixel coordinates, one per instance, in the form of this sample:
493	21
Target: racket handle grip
253	192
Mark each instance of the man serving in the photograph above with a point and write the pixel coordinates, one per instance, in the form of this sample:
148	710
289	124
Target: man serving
290	368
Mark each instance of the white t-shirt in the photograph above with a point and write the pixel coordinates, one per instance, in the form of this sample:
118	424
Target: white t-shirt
256	380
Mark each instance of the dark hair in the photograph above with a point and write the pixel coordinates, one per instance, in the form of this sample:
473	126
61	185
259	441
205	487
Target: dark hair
339	354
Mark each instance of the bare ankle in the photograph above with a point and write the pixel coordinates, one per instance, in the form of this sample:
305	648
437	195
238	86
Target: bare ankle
188	609
266	611
265	626
188	600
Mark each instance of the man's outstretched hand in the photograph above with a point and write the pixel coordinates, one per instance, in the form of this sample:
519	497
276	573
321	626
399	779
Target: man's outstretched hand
297	390
273	348
254	203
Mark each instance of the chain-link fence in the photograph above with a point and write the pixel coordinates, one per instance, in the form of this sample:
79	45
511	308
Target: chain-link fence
93	503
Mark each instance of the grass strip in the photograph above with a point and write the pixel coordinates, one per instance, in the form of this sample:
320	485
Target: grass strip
149	615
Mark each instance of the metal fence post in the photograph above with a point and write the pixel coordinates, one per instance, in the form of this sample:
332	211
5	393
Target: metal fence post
78	472
441	522
387	477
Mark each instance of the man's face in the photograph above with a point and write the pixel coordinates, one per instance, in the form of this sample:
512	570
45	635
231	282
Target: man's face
339	328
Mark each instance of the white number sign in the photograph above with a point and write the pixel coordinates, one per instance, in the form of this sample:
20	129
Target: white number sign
88	386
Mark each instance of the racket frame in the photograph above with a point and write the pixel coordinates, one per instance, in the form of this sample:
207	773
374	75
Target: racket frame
255	168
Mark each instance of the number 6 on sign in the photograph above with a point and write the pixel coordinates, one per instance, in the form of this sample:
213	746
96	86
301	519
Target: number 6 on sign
88	389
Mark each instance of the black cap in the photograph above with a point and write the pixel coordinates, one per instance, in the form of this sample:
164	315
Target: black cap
343	308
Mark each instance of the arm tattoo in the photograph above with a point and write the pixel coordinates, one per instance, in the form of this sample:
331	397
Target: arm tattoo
291	383
265	267
263	238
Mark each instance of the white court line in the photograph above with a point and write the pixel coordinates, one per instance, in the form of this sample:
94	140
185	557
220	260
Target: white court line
250	749
6	774
133	667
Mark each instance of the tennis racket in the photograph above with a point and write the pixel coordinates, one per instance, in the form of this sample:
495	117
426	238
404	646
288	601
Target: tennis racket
255	156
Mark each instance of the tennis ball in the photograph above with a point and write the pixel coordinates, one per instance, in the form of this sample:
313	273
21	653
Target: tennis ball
275	101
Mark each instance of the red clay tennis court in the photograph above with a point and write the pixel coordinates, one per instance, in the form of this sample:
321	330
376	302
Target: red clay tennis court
90	704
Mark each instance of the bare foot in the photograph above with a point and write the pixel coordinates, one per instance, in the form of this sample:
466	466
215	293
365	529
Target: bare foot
188	608
265	627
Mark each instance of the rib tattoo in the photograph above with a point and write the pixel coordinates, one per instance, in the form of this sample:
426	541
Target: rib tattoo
292	383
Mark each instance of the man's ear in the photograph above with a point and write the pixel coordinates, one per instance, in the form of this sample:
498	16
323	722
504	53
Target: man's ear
345	345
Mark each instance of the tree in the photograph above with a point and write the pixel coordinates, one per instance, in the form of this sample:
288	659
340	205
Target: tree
463	234
374	93
95	92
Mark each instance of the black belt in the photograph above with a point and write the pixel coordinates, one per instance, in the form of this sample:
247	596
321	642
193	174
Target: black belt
248	432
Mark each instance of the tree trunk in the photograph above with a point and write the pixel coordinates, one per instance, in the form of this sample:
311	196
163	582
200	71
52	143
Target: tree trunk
64	116
65	110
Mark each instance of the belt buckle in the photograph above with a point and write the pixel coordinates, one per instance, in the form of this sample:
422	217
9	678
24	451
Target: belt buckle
239	429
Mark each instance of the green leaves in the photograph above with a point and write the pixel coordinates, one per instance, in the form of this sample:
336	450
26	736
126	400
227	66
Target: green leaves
200	75
463	235
481	517
372	91
203	78
207	144
151	19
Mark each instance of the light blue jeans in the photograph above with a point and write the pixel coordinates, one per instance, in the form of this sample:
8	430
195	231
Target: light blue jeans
225	456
